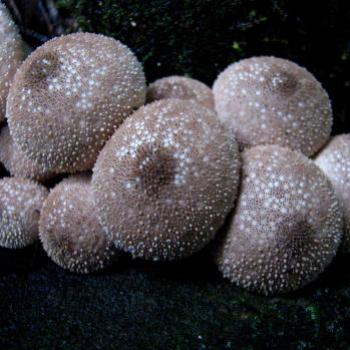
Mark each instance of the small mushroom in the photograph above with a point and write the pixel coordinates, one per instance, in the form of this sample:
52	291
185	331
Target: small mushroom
69	230
334	161
12	53
159	194
20	204
269	100
17	162
287	224
69	96
181	87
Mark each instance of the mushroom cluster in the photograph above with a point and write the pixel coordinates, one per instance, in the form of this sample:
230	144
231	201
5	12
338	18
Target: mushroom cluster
167	175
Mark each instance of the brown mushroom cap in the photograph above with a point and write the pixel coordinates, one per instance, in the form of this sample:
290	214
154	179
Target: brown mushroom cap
20	204
69	230
180	87
69	96
268	100
17	162
11	55
166	180
287	224
334	161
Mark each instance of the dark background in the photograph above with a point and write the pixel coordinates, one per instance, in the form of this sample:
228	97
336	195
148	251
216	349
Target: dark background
186	305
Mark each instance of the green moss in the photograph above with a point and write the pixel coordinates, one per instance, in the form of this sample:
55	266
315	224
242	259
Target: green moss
177	306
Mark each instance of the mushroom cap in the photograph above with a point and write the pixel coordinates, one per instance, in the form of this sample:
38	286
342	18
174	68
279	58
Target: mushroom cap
286	226
69	229
180	87
334	161
166	180
17	162
20	204
12	53
69	96
269	100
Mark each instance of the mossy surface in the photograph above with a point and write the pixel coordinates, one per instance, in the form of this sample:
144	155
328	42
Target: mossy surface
199	38
174	306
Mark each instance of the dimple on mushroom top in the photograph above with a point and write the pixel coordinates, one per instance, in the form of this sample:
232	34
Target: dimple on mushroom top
166	180
287	224
269	100
69	96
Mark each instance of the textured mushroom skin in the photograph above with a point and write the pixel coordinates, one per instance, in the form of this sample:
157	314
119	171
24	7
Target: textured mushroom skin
268	100
11	55
180	87
334	161
69	229
166	180
20	204
69	96
286	226
17	162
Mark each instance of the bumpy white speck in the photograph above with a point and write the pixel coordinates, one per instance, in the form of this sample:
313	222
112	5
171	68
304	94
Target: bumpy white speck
17	162
334	161
69	96
180	87
69	230
268	100
287	224
166	180
11	55
20	204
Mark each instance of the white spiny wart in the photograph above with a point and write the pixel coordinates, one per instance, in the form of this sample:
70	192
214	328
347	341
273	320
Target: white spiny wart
20	204
12	53
69	230
166	180
180	87
268	100
69	96
17	162
334	161
287	224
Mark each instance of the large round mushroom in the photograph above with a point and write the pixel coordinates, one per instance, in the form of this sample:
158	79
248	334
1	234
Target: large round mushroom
269	100
20	204
287	224
180	87
69	96
17	162
166	180
334	161
12	53
69	229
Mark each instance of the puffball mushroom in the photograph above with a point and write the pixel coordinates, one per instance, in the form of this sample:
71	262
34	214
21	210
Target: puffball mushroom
286	226
269	100
17	162
334	161
180	87
69	230
166	180
20	204
12	53
69	96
